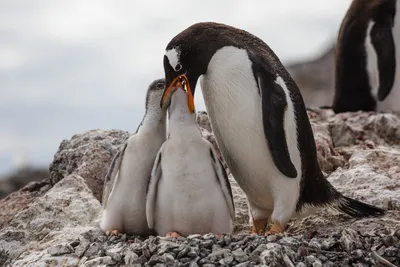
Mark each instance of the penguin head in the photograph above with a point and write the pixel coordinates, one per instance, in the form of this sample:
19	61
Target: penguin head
188	54
154	94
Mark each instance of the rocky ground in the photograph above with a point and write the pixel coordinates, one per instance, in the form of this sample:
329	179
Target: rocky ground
54	222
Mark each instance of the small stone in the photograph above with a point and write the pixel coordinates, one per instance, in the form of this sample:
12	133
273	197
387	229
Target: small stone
92	250
208	265
272	254
193	264
102	239
317	264
239	255
114	253
227	260
183	251
75	243
101	261
60	249
397	233
391	252
315	243
130	257
310	260
302	251
328	243
207	243
136	247
156	259
272	238
381	250
194	252
301	264
243	264
209	236
215	256
358	254
185	260
193	236
227	240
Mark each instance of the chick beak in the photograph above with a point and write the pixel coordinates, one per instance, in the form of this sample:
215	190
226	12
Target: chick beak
182	82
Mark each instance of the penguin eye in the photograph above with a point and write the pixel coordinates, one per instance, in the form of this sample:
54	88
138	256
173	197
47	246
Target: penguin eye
160	85
178	67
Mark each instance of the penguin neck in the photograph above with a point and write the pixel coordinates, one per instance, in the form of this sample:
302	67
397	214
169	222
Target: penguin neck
153	121
180	119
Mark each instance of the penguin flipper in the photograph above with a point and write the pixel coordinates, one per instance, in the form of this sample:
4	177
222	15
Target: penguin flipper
112	175
223	181
383	43
152	189
274	106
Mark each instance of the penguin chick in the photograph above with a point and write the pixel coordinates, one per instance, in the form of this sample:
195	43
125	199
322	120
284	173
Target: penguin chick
189	191
124	196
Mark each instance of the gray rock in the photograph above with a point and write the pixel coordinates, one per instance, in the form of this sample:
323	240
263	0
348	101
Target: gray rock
87	155
60	249
93	250
100	261
81	248
239	255
130	257
114	253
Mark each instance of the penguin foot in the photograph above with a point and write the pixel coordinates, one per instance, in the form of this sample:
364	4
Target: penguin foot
276	228
259	226
219	236
173	234
112	232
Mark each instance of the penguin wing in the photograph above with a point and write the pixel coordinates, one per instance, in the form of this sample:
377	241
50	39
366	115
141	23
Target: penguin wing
223	180
152	187
383	43
274	105
112	175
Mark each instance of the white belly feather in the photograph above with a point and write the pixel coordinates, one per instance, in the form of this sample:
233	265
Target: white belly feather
189	196
234	106
126	207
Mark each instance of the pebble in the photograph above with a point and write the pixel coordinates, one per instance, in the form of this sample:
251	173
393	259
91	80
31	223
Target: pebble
92	250
60	249
241	250
239	255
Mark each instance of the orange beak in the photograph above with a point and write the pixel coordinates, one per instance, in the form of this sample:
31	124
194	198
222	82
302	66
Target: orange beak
180	81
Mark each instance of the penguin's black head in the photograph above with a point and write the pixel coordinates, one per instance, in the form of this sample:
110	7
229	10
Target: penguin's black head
187	56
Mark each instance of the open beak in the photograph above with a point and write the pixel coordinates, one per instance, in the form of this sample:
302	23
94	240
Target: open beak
183	82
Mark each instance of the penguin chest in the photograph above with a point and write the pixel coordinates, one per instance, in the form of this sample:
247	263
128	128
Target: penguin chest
233	103
189	197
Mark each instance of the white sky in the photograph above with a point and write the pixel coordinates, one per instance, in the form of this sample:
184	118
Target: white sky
71	66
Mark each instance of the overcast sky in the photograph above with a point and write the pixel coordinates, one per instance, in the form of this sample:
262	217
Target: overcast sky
70	66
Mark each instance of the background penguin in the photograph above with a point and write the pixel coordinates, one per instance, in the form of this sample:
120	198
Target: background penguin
189	191
259	121
124	197
367	57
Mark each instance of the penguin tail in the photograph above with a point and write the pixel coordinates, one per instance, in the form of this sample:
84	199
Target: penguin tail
357	208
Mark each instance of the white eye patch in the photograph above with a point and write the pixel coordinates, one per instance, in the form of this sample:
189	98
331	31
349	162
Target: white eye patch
173	58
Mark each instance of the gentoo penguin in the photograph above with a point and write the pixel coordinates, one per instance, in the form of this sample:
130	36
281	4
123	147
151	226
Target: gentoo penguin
124	197
189	191
259	120
366	58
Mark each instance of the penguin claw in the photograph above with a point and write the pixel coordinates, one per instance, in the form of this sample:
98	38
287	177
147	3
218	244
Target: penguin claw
112	232
258	227
173	234
276	228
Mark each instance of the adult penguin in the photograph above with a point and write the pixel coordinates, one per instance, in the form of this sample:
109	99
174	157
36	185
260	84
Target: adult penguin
366	58
259	121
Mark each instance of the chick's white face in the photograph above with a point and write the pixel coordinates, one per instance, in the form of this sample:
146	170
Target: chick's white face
173	58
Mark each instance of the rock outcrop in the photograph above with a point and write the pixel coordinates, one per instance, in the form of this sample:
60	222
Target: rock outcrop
55	222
